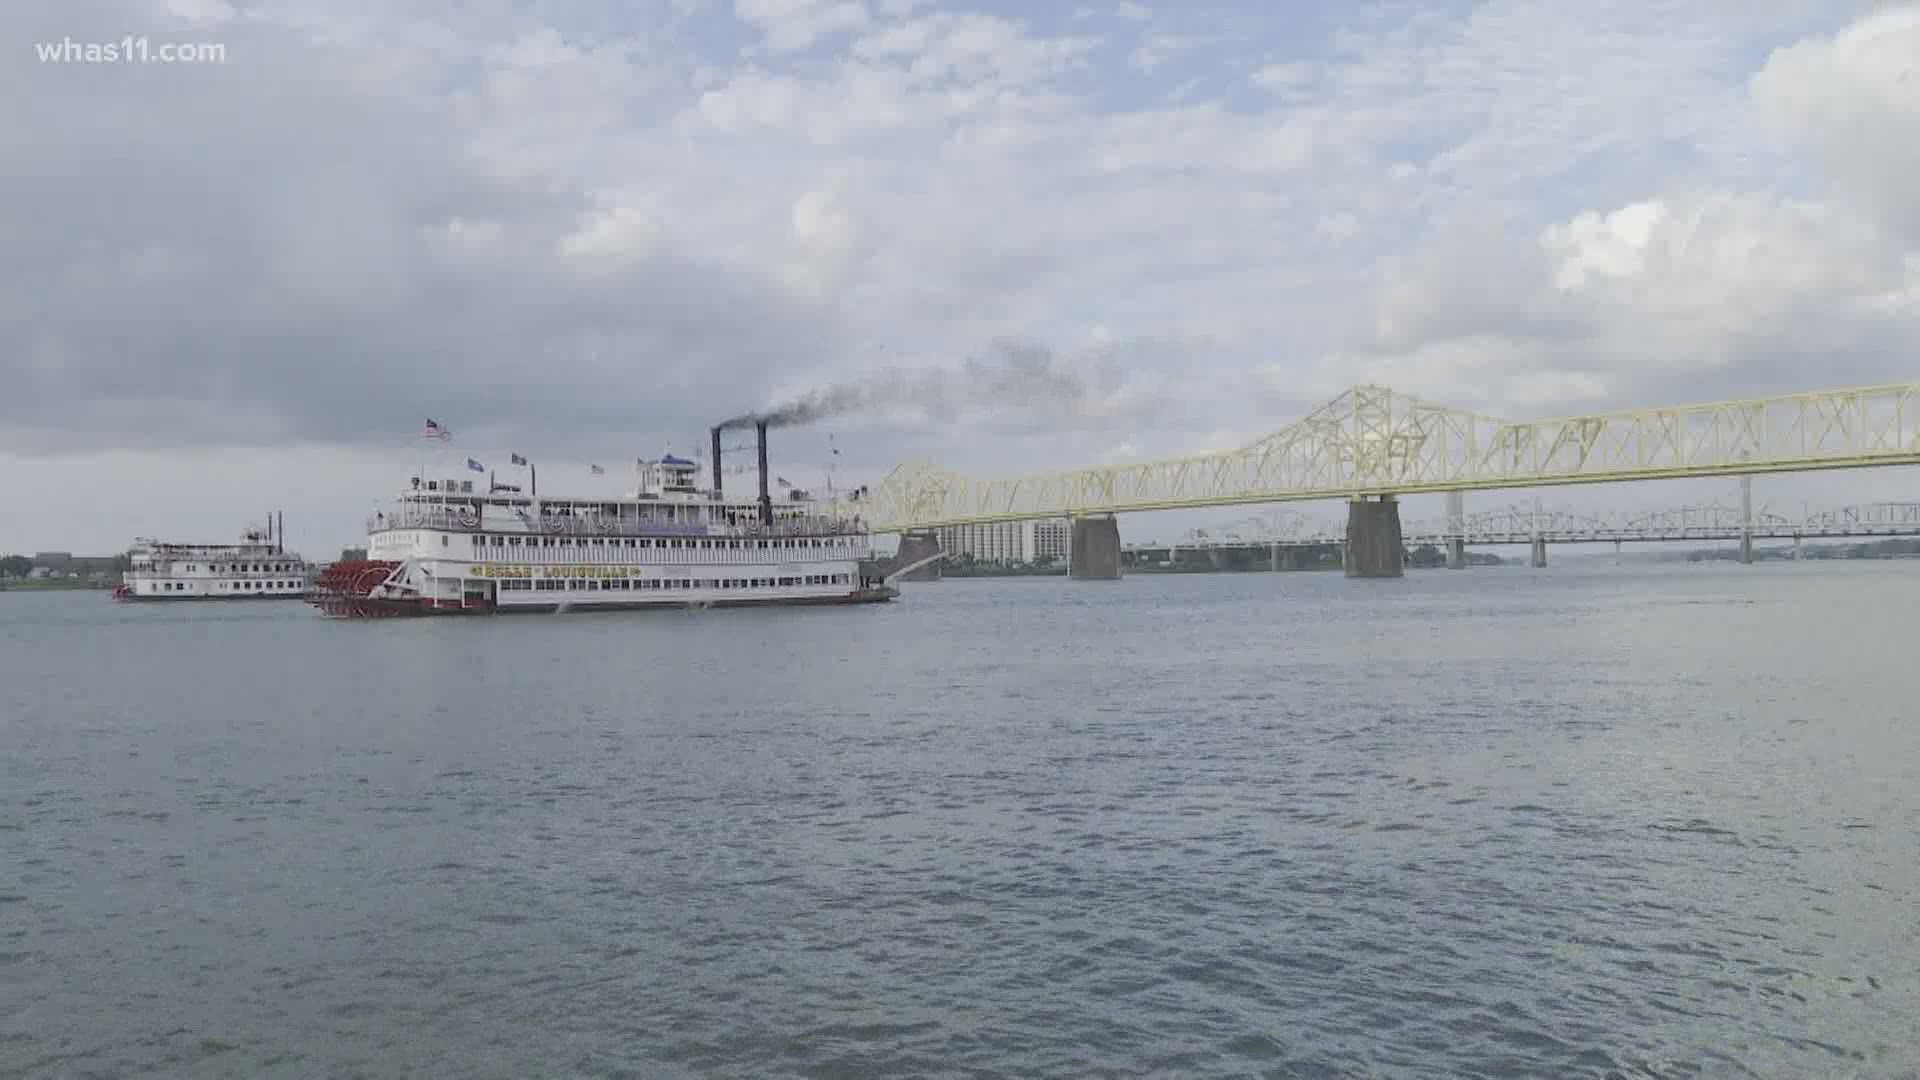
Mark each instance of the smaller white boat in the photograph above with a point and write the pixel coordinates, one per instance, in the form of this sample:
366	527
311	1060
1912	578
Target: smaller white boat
259	567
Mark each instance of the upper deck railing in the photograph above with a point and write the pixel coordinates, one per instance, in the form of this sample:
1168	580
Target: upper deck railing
409	516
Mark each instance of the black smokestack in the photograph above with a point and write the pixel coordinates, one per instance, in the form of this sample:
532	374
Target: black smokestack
716	463
766	500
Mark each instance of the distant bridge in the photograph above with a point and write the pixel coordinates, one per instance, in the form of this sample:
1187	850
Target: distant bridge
1525	525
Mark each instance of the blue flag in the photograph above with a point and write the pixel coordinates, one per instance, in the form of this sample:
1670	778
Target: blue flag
475	466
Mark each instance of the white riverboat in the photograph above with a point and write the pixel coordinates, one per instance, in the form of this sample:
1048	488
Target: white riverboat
455	546
259	567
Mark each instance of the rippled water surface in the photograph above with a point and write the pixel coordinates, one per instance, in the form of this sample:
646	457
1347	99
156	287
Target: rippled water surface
1575	822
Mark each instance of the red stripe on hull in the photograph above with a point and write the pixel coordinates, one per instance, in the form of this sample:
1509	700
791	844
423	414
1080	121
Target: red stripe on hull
368	608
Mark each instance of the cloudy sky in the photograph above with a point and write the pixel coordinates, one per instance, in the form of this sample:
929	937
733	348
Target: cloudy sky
583	230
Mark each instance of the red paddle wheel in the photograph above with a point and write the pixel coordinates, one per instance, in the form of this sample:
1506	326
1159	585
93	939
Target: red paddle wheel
123	591
345	590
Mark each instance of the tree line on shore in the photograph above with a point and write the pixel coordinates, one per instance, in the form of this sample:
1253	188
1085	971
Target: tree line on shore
60	570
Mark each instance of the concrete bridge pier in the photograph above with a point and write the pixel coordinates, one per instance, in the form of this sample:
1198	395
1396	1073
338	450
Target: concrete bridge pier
1797	549
1746	520
1094	551
1456	530
1539	541
1375	547
1616	553
915	547
1273	556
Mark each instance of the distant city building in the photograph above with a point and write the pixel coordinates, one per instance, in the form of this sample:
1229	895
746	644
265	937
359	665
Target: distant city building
1008	541
63	563
995	543
1050	539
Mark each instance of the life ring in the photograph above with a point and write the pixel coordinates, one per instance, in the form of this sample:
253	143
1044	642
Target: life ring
469	519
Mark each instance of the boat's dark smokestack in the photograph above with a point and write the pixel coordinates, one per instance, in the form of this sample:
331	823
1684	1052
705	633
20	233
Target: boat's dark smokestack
766	500
716	463
280	534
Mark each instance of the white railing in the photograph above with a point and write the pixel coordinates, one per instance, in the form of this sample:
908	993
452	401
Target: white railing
585	525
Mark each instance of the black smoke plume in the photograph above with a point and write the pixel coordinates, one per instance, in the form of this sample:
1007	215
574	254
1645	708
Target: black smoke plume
1013	376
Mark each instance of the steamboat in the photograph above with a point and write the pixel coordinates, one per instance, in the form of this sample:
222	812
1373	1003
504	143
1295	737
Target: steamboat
447	547
259	567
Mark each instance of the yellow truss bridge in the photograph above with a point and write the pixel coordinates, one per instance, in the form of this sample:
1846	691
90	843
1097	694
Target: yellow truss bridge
1371	441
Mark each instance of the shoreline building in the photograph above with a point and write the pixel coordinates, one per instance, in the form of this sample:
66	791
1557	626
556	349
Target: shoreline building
1005	542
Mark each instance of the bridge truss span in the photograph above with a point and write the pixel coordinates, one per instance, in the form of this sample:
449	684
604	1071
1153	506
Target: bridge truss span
1873	519
1371	441
1520	524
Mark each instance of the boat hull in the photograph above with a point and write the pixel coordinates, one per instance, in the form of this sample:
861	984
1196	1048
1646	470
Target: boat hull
367	607
388	588
134	598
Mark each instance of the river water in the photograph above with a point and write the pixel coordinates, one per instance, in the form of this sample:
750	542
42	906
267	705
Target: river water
1646	821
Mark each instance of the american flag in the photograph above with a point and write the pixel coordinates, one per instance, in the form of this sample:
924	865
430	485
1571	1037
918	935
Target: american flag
518	460
597	470
435	431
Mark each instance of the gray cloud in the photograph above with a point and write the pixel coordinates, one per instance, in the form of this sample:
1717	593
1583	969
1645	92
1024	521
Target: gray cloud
1685	297
1852	99
292	246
